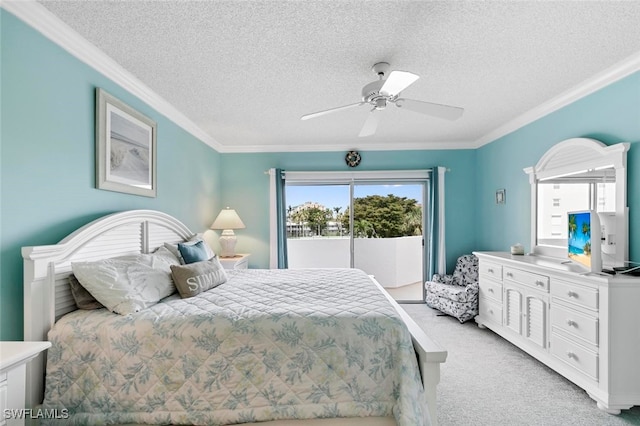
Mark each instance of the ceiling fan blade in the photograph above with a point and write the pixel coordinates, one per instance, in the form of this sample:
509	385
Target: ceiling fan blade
371	124
328	111
397	82
447	112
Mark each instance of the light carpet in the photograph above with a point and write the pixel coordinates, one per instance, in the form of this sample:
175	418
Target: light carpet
488	381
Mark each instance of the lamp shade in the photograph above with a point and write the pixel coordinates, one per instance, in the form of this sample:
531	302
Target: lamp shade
228	219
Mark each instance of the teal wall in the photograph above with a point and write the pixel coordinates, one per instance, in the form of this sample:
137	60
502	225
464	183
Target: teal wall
610	115
245	187
47	158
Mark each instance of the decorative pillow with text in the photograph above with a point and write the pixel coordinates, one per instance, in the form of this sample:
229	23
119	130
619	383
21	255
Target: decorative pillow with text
197	277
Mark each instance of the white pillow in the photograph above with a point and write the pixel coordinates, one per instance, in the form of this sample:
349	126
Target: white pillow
127	284
163	259
173	248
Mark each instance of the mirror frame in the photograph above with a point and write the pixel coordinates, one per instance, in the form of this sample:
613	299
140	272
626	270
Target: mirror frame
561	159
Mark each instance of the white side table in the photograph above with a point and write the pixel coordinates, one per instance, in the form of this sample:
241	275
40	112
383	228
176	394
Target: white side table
13	370
239	261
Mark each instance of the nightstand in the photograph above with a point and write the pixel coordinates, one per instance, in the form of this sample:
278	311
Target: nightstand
13	371
239	261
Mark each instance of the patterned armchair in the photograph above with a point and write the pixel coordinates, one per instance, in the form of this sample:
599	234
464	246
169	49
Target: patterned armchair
457	294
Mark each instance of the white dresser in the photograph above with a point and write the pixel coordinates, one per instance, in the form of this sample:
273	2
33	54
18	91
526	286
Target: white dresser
585	327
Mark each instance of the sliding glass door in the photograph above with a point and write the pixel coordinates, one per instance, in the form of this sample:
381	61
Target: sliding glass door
388	238
383	237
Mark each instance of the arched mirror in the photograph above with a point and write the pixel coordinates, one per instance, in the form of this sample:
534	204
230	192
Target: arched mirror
580	174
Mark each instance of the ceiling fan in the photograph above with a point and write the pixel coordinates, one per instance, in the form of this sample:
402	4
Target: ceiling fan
384	91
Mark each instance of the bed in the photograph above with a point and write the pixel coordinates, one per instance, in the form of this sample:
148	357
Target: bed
267	345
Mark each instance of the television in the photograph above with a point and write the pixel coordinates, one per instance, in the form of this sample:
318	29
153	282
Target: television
585	244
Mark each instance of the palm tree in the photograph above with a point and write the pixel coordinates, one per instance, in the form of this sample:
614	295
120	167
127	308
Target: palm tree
289	219
364	229
573	226
338	221
298	218
414	221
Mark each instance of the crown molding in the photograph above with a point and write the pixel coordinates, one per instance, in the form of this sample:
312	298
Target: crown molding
50	26
389	146
612	74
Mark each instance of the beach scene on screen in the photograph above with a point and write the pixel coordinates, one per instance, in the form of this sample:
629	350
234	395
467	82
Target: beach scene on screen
579	248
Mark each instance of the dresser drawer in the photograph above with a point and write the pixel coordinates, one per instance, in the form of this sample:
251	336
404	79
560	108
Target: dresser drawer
576	356
574	293
541	282
491	289
490	311
491	270
575	323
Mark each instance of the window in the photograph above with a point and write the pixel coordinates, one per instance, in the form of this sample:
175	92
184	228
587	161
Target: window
357	220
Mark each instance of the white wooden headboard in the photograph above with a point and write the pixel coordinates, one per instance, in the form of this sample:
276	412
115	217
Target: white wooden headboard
47	295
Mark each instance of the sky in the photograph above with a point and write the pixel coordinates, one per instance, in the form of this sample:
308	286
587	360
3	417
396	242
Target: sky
332	196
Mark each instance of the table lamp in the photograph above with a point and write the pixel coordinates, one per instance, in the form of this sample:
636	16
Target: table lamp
228	220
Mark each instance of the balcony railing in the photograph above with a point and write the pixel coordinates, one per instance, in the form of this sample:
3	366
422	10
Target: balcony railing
394	262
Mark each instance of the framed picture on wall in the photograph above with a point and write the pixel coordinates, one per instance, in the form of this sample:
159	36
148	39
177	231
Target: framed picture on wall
501	196
125	148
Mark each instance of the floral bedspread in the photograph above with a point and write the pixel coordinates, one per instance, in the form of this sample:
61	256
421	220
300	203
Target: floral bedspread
266	345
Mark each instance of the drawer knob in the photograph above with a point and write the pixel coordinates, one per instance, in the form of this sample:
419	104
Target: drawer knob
491	311
490	290
539	283
572	323
572	294
571	355
509	274
490	270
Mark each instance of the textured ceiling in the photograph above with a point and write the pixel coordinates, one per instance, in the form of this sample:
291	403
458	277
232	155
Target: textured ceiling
245	72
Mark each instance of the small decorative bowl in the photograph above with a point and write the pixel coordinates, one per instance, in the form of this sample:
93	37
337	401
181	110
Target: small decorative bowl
517	249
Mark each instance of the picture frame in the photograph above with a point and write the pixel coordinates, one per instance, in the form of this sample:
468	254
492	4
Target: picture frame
125	148
501	196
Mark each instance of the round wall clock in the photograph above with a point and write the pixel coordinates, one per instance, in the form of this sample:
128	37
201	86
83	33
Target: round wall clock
352	158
